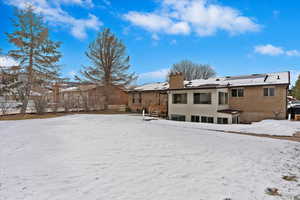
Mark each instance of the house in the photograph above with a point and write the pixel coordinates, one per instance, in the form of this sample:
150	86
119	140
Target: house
89	96
152	98
230	99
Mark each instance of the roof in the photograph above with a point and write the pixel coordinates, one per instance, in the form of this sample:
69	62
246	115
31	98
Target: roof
78	88
246	80
153	86
279	78
230	111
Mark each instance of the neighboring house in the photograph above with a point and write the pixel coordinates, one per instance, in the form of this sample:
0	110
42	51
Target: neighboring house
228	99
152	98
88	95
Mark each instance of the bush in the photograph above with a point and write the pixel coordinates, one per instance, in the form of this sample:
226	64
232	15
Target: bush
40	104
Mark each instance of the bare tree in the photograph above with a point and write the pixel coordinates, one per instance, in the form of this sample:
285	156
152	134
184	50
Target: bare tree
5	105
192	70
35	52
109	64
40	104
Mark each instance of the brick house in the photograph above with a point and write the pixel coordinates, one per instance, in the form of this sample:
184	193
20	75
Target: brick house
227	100
151	97
90	95
223	100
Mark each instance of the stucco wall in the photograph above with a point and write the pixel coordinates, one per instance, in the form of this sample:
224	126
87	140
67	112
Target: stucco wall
189	109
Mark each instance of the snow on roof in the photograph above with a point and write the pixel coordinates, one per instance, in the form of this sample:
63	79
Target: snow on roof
70	89
78	88
7	62
228	81
246	80
153	86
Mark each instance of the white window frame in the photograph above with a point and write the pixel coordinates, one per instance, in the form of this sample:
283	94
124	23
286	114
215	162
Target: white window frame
268	93
237	92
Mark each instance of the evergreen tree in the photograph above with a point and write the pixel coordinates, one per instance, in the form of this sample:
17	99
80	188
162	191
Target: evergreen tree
109	63
35	52
296	89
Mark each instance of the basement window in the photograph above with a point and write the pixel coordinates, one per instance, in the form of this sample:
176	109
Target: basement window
222	120
205	119
180	98
178	117
195	118
268	92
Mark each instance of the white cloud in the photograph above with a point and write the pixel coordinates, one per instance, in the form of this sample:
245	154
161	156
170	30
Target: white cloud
268	50
88	3
158	75
274	51
54	14
293	53
6	61
186	16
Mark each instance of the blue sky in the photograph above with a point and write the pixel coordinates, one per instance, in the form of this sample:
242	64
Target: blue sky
235	37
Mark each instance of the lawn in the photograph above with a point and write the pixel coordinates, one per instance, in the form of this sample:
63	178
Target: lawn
123	157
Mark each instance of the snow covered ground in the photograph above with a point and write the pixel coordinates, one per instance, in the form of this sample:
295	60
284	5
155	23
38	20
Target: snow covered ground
121	157
269	127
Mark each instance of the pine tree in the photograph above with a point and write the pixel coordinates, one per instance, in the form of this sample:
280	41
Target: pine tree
296	89
109	63
35	52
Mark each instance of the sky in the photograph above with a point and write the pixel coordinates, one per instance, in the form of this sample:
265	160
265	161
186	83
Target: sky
234	37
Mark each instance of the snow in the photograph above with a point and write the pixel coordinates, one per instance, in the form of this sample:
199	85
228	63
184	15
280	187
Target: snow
233	81
153	86
255	79
268	127
7	62
123	157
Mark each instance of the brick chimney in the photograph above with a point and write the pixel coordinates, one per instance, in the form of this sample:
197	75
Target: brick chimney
176	80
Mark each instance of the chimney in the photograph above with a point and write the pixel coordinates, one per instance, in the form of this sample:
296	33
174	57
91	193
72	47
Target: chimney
176	80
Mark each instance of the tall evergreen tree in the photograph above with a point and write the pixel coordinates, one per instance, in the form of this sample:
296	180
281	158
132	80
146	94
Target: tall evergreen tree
296	89
109	63
35	52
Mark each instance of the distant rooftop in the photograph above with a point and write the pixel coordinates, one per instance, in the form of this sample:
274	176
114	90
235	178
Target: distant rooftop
278	78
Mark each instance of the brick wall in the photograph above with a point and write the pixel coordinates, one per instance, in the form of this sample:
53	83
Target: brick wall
176	81
150	100
256	106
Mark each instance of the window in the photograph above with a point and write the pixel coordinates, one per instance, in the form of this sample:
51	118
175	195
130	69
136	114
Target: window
223	98
205	119
202	98
269	92
237	92
178	117
137	98
180	98
222	120
235	120
195	118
